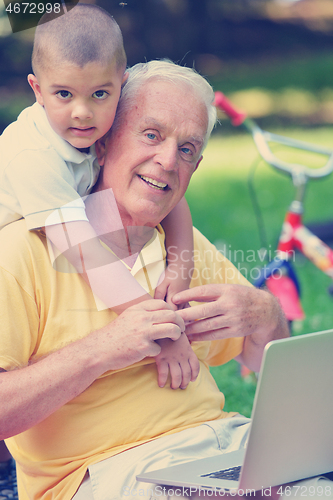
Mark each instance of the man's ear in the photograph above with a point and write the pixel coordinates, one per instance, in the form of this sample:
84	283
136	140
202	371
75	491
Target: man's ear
100	147
199	161
33	82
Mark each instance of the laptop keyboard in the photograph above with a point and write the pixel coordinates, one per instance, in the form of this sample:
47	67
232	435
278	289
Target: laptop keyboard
232	474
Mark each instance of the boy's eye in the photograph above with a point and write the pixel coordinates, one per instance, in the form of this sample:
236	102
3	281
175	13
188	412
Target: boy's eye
100	94
64	94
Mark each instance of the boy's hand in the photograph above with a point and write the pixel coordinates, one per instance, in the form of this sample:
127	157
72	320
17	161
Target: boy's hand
173	282
178	358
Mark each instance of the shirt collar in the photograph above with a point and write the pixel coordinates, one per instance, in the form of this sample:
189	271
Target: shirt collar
150	263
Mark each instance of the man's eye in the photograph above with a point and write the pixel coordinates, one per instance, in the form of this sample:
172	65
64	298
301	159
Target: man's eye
187	151
100	94
151	136
64	94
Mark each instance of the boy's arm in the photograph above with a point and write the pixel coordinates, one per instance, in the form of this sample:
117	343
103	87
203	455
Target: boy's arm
179	244
106	275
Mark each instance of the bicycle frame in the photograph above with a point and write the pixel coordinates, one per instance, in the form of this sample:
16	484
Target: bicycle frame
294	236
279	275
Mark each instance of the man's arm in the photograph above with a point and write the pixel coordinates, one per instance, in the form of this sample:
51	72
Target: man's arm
31	394
234	311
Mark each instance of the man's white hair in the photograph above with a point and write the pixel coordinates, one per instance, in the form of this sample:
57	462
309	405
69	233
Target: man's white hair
168	71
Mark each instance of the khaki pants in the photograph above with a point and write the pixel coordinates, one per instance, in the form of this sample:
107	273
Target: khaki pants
115	478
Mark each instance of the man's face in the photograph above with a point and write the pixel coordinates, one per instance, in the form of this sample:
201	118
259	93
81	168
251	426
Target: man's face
80	103
155	150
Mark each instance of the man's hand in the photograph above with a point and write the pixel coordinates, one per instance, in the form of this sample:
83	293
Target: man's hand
131	337
229	311
178	358
234	311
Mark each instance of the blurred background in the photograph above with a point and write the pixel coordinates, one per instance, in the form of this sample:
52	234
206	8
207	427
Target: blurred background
274	59
272	56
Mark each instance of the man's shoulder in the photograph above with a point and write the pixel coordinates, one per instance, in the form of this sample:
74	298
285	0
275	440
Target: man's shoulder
202	246
17	244
211	264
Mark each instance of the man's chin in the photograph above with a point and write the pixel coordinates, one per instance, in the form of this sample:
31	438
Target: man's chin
149	210
146	217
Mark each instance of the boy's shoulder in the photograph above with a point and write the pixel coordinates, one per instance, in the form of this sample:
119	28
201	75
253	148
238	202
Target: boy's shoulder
30	142
24	134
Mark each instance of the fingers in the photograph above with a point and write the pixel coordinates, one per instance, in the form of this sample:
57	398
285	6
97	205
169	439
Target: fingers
201	311
154	305
209	324
202	293
222	333
195	367
160	292
178	376
165	331
162	372
170	303
184	372
162	313
182	306
183	366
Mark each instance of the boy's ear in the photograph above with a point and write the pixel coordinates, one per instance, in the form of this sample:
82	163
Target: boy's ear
33	82
100	147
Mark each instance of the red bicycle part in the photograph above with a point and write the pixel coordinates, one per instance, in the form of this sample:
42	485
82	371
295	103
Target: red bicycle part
295	235
285	290
222	102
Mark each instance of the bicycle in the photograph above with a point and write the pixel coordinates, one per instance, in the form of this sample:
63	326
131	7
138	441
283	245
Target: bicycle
279	275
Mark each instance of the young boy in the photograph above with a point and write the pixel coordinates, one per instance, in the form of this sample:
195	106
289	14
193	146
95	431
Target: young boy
48	162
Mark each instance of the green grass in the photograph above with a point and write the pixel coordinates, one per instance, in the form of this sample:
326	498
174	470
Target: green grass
221	207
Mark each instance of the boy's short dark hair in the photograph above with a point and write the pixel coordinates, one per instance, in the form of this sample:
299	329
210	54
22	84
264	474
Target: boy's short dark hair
86	33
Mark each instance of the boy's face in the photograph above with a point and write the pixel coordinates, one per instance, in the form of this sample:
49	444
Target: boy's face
80	103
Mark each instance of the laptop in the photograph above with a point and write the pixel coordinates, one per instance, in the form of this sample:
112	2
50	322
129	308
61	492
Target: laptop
291	435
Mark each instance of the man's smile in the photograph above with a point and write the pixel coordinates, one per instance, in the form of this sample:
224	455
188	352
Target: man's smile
153	183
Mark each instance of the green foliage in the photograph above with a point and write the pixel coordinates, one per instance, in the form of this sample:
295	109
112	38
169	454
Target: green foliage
296	90
310	72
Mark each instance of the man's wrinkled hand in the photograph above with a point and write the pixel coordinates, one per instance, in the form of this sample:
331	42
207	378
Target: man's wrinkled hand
132	336
227	311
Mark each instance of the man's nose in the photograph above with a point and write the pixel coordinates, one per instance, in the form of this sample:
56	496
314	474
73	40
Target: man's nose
81	111
167	156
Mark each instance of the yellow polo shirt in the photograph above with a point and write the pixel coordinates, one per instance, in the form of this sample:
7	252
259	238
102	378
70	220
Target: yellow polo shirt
42	310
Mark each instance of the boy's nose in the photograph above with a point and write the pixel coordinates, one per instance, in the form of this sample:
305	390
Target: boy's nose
81	112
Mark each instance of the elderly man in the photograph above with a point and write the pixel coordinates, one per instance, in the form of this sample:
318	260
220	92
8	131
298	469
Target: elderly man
78	388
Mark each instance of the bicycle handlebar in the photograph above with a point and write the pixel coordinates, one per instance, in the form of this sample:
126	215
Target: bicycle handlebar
222	102
262	138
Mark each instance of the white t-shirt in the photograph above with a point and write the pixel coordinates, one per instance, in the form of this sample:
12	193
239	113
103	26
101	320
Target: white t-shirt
41	172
